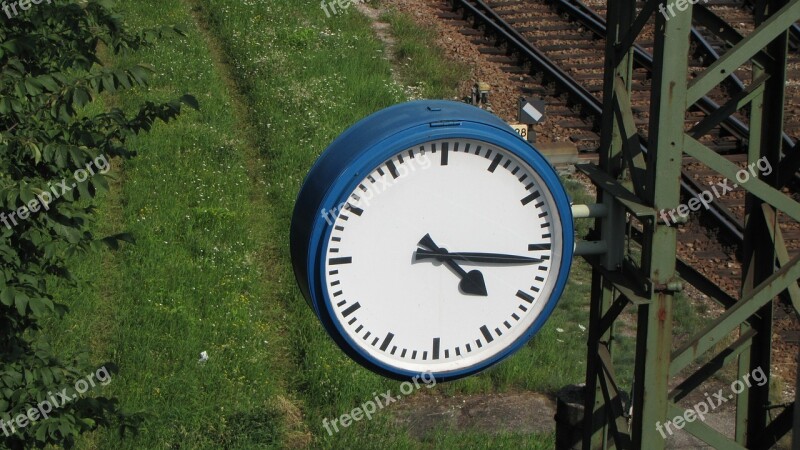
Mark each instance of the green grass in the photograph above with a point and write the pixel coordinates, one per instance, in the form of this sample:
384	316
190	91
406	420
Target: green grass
419	60
210	199
198	277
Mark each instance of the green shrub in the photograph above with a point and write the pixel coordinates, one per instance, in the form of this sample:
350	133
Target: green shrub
55	155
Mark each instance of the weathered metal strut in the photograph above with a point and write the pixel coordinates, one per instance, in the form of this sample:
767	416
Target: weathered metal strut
650	282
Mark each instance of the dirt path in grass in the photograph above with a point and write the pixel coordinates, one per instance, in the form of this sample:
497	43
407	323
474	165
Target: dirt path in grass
297	430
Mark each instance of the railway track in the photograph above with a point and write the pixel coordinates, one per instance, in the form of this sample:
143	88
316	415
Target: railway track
554	49
567	72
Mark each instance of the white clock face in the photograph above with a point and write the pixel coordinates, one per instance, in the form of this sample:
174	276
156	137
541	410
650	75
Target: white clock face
443	256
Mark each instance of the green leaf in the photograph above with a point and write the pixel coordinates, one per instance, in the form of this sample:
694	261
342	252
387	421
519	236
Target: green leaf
21	302
33	87
81	96
140	74
41	433
99	182
37	153
36	306
48	83
7	296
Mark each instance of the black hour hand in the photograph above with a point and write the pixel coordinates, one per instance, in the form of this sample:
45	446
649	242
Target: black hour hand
471	283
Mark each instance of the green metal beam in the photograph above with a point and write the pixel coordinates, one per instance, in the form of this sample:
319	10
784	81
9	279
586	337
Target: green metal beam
706	433
743	51
759	188
664	164
617	191
651	282
735	103
736	315
780	250
629	136
723	358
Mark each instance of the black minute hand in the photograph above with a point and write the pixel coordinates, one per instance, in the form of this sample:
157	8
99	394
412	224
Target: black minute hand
480	258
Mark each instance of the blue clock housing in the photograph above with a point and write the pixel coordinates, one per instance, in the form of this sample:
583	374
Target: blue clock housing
368	144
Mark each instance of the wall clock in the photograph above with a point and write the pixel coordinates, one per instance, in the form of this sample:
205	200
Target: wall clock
429	237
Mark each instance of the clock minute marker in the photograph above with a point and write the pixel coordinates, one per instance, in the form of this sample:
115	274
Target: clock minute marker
355	209
351	309
386	341
486	334
495	163
531	197
528	298
392	169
